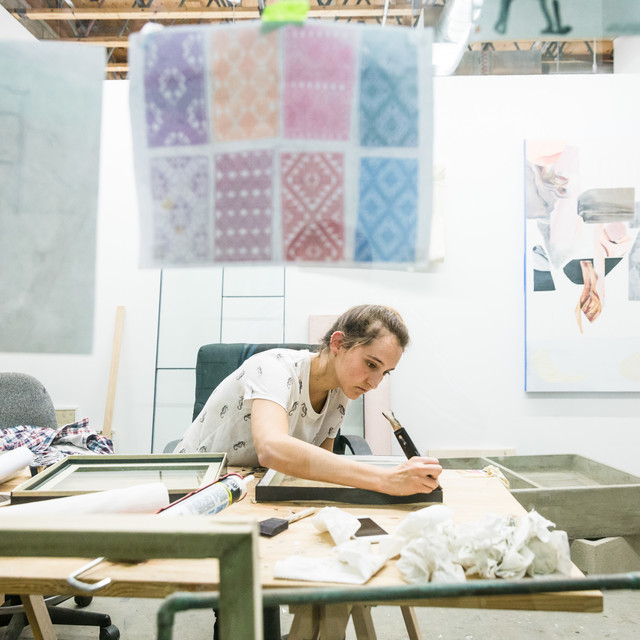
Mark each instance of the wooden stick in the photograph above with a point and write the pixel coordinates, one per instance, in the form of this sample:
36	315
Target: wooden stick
113	373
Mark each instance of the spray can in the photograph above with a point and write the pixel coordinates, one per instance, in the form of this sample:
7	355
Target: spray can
210	499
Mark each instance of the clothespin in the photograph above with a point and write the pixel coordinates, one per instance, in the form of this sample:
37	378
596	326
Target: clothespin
283	12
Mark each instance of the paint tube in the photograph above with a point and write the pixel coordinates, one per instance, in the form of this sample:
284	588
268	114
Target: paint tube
210	499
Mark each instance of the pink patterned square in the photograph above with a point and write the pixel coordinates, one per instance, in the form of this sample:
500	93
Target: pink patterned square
313	227
244	209
318	81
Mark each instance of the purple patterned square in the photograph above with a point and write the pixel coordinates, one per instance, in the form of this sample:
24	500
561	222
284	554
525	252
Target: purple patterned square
174	83
244	208
318	82
181	209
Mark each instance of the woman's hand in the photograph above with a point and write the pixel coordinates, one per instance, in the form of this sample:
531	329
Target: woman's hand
417	475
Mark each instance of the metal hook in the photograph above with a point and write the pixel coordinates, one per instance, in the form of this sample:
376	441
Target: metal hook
72	578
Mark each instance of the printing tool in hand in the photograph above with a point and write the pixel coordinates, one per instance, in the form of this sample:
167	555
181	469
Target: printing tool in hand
410	449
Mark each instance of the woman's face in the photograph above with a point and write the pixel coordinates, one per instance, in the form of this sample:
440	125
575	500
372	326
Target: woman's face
362	368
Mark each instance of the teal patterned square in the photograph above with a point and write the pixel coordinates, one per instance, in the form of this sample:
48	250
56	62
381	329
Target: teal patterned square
388	114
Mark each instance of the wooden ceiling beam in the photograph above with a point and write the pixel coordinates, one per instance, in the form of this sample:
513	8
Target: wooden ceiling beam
117	67
111	42
209	13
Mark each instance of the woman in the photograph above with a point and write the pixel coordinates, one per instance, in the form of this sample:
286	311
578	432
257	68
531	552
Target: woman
282	408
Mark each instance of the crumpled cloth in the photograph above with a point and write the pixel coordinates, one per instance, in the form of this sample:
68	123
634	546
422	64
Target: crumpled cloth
50	445
434	549
340	524
352	562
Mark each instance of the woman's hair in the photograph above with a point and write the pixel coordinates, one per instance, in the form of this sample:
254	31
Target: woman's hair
363	324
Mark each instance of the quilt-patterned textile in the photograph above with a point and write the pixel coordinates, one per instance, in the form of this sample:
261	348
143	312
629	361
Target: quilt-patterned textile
304	144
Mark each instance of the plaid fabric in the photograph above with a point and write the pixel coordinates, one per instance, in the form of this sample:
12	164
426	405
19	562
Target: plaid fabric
50	445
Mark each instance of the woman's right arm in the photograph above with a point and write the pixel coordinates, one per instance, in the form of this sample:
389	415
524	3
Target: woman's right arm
277	450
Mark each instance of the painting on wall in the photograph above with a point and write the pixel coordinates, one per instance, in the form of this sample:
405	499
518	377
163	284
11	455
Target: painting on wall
582	266
305	144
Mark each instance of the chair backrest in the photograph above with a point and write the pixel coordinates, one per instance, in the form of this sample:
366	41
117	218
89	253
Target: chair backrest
216	361
24	400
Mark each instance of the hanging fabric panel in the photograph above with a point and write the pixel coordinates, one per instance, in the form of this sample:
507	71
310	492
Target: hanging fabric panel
307	144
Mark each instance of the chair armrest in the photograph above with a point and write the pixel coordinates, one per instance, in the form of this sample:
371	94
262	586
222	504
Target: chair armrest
356	444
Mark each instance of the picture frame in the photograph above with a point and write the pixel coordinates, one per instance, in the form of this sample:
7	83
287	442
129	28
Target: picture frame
278	487
79	474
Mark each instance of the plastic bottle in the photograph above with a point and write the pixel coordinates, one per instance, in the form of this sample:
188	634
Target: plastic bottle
210	499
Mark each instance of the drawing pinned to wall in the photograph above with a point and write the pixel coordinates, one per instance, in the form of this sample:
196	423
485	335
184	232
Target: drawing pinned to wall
556	19
50	110
582	265
313	145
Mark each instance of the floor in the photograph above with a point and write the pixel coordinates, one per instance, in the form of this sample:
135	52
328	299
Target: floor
136	619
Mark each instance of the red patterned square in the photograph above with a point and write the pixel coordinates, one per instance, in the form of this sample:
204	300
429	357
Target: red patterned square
313	227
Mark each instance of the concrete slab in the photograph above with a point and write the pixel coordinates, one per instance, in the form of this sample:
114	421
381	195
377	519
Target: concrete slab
605	555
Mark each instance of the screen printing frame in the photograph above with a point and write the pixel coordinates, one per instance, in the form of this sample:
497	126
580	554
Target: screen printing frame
208	467
278	487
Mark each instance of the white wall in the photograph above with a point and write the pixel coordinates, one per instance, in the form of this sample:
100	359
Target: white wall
11	29
460	383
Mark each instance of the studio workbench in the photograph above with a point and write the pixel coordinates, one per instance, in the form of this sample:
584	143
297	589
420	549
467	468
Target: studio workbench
470	496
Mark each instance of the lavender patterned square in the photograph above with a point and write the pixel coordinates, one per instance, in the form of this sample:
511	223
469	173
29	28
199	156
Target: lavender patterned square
181	209
174	82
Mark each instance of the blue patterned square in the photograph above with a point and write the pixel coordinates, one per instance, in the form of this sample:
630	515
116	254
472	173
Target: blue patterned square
386	230
389	90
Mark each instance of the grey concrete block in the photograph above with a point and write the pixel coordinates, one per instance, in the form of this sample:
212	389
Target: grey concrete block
605	555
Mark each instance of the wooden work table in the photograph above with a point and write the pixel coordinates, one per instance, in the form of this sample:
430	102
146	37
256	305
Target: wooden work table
471	497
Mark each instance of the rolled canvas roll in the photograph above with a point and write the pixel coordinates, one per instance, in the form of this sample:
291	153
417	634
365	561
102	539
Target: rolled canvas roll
142	498
14	461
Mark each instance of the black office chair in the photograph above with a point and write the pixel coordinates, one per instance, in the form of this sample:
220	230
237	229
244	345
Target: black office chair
25	401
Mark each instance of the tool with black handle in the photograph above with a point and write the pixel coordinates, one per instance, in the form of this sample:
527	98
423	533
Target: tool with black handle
410	449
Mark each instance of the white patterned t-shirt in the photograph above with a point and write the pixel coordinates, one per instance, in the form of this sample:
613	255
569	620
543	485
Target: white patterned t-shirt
279	375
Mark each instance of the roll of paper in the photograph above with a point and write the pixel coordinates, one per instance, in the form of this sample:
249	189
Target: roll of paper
14	461
142	498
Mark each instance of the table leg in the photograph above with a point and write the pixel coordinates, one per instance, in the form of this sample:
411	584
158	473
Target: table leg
333	621
304	625
38	617
363	623
411	621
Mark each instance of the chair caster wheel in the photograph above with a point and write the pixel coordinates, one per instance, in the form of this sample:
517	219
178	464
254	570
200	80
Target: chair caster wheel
82	601
109	633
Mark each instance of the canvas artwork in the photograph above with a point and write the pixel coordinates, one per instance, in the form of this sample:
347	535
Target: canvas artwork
582	265
303	144
557	19
50	115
